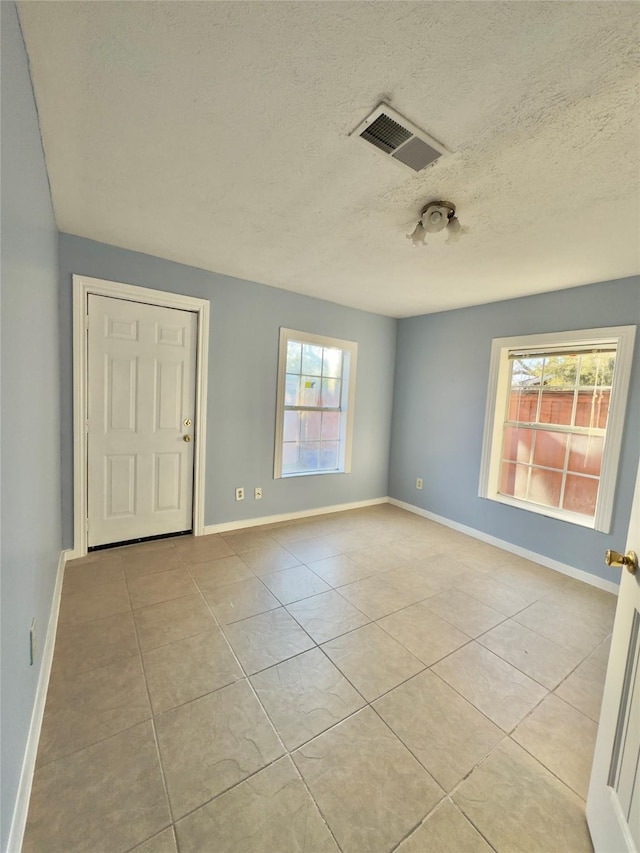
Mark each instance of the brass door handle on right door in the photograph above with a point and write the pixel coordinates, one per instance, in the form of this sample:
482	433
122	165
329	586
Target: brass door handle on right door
629	560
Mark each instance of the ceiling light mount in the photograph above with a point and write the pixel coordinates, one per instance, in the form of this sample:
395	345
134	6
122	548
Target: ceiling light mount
436	216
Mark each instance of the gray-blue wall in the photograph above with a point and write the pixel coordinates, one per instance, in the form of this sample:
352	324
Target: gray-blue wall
30	456
243	352
442	370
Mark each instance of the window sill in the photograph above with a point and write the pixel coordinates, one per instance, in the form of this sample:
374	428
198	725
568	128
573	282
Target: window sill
548	511
308	474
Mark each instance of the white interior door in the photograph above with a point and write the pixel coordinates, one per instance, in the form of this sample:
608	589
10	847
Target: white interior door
613	803
141	398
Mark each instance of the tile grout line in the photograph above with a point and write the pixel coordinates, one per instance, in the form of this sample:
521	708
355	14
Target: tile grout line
508	734
156	835
350	631
375	621
222	626
438	805
467	776
153	723
286	753
174	821
472	639
548	769
128	728
530	711
92	670
447	794
369	704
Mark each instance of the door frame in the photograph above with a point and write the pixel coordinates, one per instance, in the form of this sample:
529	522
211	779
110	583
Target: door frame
607	823
82	287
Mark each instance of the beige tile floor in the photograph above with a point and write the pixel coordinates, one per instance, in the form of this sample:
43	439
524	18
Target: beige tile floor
362	682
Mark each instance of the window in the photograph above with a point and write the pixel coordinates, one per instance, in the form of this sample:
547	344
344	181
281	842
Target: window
316	389
554	422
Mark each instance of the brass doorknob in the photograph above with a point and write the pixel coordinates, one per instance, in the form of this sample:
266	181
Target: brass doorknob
630	560
186	438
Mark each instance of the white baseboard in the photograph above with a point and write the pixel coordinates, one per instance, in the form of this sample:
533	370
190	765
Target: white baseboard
289	516
563	568
72	554
556	565
21	809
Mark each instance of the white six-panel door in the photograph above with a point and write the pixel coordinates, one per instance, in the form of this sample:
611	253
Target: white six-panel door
141	397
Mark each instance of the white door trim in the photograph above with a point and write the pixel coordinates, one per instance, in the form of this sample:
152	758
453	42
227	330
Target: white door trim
82	287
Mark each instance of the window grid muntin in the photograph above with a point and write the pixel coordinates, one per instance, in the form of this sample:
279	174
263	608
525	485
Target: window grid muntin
313	408
538	426
321	442
504	460
529	464
334	377
577	386
337	377
622	338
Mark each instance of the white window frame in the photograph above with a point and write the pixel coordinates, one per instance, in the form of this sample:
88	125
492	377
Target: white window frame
347	402
623	338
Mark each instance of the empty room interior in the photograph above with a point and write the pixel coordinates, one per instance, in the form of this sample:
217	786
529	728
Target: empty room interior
320	427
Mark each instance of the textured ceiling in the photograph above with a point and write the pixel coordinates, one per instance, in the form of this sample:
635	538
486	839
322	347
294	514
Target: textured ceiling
216	134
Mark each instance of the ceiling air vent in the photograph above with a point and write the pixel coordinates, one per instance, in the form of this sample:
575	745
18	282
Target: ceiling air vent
397	138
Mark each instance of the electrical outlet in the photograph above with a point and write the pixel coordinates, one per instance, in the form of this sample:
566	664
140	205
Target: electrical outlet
257	493
240	493
33	643
419	483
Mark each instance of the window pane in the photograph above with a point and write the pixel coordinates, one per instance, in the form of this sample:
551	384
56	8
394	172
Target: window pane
291	430
545	486
290	457
593	408
523	405
329	455
292	383
310	426
331	392
309	456
314	421
596	377
526	372
585	454
558	386
330	425
294	356
332	362
580	495
596	369
556	406
311	360
310	391
513	480
560	371
544	445
549	449
517	444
